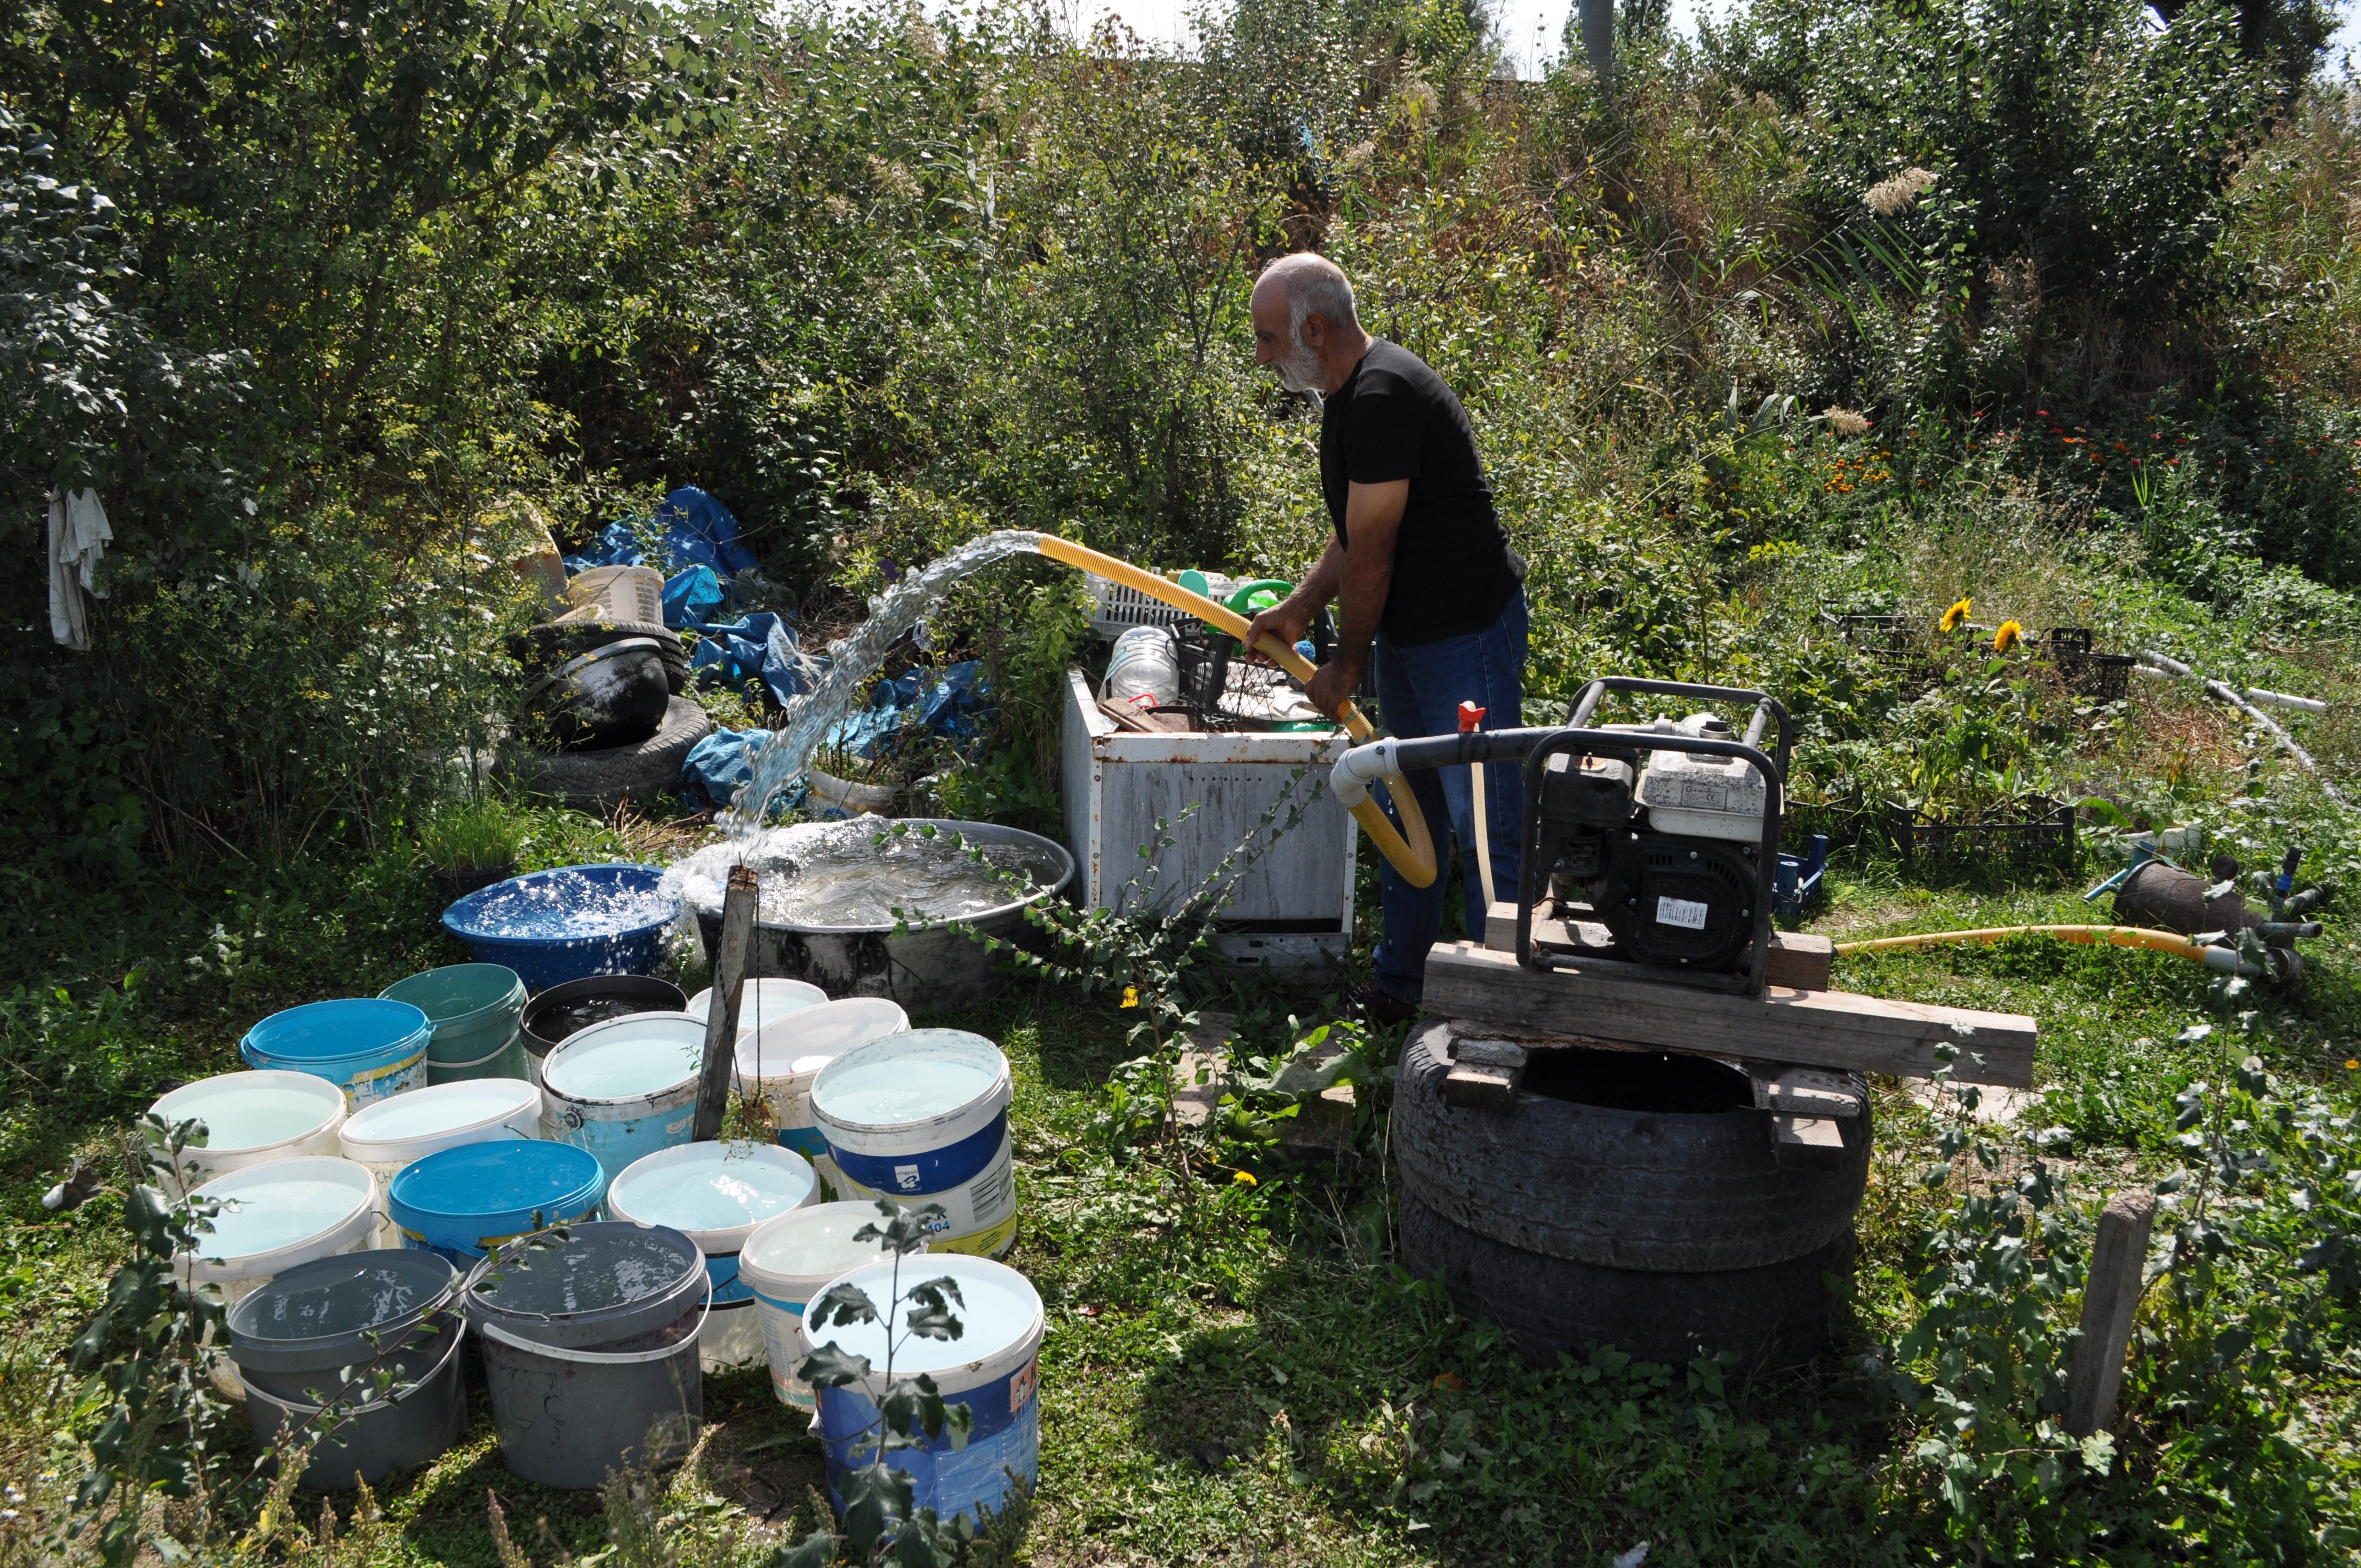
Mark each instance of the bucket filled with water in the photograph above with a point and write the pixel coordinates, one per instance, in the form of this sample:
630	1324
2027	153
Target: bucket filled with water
993	1368
369	1048
463	1202
393	1135
829	892
589	1348
318	1335
569	924
563	1012
779	1062
761	1001
475	1009
717	1194
790	1260
625	1088
271	1217
922	1117
253	1118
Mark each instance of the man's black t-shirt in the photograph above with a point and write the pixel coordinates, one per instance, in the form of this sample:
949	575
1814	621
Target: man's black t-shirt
1394	419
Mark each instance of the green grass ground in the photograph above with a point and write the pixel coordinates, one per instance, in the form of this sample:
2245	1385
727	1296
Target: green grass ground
1239	1373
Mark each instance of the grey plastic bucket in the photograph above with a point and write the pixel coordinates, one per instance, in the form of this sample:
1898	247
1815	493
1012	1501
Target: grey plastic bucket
605	1282
592	1357
294	1337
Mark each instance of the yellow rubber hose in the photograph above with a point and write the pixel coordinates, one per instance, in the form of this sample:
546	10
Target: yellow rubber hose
1410	850
2103	936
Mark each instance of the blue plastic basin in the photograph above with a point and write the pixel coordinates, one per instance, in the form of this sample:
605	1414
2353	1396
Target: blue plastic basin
568	924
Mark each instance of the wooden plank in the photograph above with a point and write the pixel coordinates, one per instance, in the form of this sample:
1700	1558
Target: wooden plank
1803	1091
730	955
1797	959
1475	1088
1807	1142
2109	1298
1811	1028
1801	961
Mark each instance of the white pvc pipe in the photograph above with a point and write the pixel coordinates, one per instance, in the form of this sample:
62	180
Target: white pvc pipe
2224	692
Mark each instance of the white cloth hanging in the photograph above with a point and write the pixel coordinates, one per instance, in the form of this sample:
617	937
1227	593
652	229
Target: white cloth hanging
79	536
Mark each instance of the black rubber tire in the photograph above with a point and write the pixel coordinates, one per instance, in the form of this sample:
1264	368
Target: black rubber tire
1774	1316
1670	1192
550	644
598	782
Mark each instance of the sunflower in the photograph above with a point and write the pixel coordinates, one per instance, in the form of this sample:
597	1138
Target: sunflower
1954	616
2009	635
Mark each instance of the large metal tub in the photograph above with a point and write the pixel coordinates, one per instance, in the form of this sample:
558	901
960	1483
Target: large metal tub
929	970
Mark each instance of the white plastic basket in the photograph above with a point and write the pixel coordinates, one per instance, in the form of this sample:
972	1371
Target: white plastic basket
1116	608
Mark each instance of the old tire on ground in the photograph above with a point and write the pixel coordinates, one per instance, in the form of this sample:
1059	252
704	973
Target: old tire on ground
1685	1181
1773	1317
598	782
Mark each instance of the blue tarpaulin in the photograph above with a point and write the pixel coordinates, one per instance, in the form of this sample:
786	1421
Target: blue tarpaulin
700	531
759	646
697	532
719	767
691	598
954	701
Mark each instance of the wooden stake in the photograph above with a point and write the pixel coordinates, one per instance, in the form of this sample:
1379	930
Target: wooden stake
729	956
2118	1259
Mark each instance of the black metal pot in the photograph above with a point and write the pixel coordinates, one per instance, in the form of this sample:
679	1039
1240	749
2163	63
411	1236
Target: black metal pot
562	1009
611	695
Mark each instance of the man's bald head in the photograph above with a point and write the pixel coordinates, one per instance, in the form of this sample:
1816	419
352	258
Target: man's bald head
1306	326
1311	283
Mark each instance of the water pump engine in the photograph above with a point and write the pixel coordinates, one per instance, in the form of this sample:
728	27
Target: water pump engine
1661	847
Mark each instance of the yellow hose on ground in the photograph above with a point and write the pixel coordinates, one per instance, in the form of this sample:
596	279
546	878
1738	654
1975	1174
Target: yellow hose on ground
1411	851
2103	935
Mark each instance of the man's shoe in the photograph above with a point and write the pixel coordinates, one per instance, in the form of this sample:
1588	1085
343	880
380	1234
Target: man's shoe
1372	1004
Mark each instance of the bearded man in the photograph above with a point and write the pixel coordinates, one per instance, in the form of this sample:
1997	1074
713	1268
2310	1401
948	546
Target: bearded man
1432	596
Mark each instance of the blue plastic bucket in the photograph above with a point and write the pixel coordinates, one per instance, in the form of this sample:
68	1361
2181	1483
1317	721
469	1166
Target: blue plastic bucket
716	1194
462	1202
369	1048
625	1088
993	1368
788	1261
568	924
922	1117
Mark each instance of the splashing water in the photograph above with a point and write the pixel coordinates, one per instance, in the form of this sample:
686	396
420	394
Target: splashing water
851	875
780	764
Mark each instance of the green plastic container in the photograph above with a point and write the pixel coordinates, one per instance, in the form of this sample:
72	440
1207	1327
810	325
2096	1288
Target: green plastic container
476	1010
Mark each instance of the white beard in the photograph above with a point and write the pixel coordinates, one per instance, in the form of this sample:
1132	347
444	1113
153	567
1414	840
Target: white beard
1300	370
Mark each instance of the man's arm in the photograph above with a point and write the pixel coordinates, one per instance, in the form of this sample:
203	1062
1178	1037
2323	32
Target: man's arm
1373	515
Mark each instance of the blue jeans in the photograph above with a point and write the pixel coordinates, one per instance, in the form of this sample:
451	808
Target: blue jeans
1419	692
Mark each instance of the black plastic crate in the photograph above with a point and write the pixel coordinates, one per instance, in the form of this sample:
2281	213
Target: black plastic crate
2105	677
2031	832
1203	656
1885	638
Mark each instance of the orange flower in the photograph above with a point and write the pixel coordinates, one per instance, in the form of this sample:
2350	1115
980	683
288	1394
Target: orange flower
2009	635
1954	616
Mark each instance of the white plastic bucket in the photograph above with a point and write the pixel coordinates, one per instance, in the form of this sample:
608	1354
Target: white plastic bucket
978	1216
922	1117
993	1368
780	1060
253	1118
761	1001
788	1261
624	1088
277	1215
717	1195
393	1134
620	593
